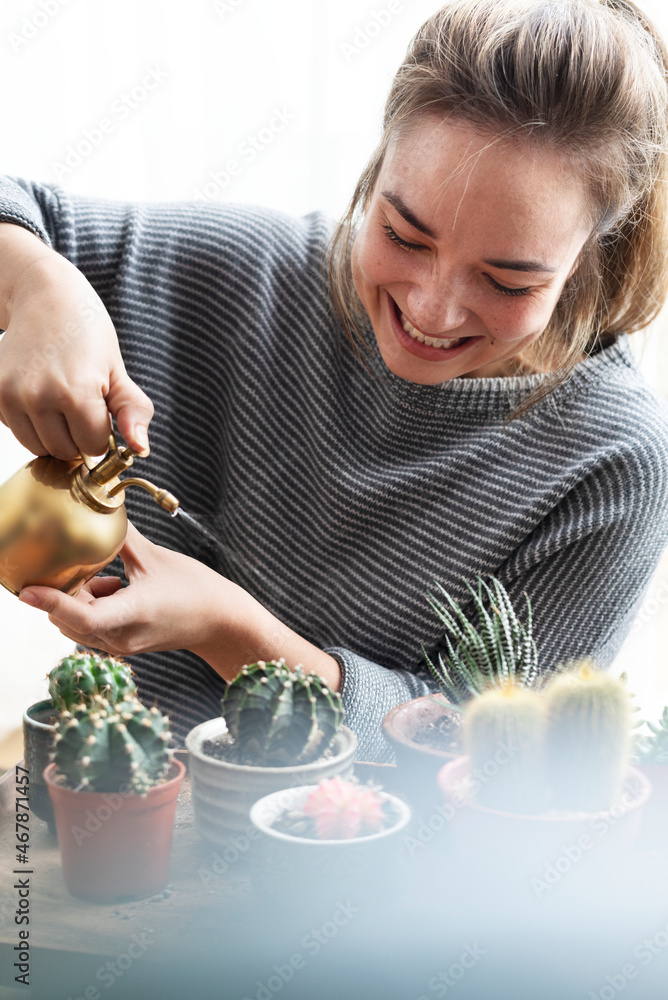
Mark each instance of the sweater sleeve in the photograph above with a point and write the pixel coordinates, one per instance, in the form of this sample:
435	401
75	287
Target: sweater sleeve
585	569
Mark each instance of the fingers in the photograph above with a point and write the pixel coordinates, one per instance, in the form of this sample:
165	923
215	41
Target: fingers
91	619
133	411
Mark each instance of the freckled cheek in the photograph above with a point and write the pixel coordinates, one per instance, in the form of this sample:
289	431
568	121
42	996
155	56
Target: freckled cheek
518	321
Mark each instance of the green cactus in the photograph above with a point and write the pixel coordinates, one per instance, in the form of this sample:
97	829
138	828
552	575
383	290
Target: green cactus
279	716
499	650
80	677
102	747
504	736
588	738
652	747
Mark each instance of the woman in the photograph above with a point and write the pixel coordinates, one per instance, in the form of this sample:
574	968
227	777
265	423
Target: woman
460	399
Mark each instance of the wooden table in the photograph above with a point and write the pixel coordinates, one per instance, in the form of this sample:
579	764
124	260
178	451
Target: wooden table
210	935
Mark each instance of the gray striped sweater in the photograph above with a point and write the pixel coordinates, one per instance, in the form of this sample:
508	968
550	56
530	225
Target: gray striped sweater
340	494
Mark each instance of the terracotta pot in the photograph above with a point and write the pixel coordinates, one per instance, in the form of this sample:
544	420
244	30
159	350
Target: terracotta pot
223	792
542	850
115	846
287	864
418	763
38	736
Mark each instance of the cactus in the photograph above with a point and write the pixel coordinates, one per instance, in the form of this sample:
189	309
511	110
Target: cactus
279	716
652	748
500	650
343	809
102	747
504	735
588	737
80	677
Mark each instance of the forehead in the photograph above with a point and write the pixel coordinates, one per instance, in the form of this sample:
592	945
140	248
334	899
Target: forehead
465	183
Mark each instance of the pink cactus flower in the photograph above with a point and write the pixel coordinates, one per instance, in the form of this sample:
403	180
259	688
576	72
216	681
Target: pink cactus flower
341	809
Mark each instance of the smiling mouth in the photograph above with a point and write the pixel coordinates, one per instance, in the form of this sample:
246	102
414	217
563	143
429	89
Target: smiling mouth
422	338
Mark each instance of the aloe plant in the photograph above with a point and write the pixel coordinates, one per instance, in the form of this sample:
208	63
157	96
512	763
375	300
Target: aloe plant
493	651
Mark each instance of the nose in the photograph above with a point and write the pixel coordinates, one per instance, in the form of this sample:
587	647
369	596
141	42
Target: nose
437	309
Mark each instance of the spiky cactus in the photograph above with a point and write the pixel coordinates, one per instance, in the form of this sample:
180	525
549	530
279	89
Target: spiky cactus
80	677
342	809
504	736
496	650
280	716
588	737
103	747
652	747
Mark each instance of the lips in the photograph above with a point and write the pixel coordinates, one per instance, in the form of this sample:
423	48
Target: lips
420	344
422	338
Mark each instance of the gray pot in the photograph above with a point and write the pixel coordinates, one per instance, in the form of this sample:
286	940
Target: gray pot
223	793
38	737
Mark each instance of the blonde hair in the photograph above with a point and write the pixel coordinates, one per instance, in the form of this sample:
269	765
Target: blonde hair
583	77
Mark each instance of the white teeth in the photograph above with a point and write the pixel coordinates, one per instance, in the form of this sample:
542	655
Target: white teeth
429	341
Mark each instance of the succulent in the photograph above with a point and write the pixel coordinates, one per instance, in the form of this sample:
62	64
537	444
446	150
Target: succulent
82	676
504	735
498	651
102	746
588	737
652	748
279	716
343	809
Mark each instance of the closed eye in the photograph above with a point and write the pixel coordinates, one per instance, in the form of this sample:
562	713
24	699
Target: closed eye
398	240
504	288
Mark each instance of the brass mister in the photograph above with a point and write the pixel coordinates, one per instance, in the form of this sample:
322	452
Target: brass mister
62	522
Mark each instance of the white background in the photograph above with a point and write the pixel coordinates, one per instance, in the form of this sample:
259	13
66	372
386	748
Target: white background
220	72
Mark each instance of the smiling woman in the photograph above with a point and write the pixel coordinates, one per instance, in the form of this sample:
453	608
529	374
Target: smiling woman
504	221
349	396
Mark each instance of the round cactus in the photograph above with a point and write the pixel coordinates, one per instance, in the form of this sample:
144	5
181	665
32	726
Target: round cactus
102	746
279	716
588	737
82	676
504	734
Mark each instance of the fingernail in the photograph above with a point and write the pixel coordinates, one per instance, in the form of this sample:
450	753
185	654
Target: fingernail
28	598
141	437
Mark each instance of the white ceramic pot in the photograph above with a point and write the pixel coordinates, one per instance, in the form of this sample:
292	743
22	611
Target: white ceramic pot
223	792
286	864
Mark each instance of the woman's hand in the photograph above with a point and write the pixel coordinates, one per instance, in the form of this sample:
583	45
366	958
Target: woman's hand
175	602
61	371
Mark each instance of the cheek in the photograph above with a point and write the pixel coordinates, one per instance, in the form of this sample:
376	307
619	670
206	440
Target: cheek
373	262
518	319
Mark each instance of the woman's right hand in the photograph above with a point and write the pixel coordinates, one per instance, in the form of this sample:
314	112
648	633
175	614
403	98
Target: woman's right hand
61	370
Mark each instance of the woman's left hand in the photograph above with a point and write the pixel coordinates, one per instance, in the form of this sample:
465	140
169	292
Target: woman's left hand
175	602
172	602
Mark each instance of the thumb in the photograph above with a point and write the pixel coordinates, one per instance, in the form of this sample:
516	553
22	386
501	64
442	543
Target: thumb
132	409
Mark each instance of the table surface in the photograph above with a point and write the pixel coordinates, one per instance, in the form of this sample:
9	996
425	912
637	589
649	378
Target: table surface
214	921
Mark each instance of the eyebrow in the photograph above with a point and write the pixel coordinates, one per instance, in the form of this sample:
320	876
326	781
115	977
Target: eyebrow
405	212
530	266
522	265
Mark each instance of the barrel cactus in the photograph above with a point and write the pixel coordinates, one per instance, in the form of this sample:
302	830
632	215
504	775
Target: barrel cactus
279	716
492	650
504	735
80	677
588	737
102	747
